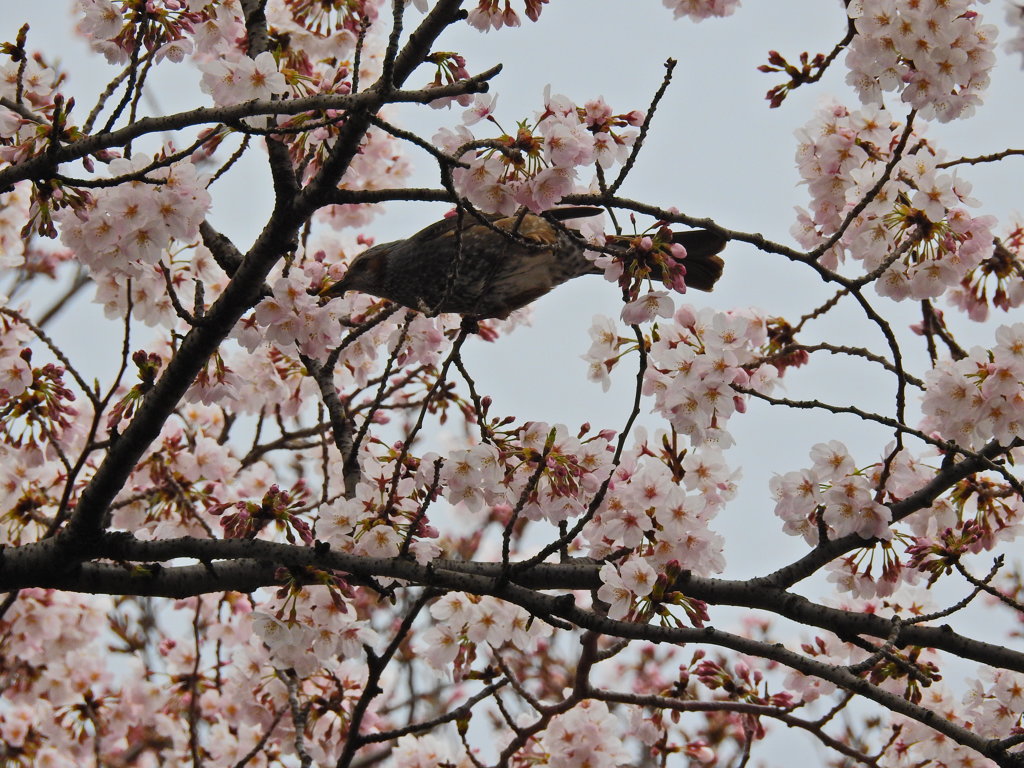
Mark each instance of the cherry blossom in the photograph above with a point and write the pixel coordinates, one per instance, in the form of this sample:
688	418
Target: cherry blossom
979	397
239	79
588	734
691	377
537	165
123	227
919	208
1015	17
698	10
646	308
937	53
834	491
492	14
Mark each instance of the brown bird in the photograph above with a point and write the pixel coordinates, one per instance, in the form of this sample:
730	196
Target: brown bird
497	275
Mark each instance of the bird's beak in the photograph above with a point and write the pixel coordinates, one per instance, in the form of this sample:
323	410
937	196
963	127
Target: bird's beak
334	290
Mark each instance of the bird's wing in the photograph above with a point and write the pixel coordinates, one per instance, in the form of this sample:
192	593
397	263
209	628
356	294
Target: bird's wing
481	240
444	227
529	226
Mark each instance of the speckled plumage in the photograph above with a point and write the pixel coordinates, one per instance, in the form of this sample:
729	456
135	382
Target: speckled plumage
496	275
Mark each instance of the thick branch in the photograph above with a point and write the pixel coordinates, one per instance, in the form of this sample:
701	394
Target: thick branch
245	565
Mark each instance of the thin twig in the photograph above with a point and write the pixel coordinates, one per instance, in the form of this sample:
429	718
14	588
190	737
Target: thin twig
670	65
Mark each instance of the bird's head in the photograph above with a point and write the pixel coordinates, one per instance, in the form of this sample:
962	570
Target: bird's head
365	273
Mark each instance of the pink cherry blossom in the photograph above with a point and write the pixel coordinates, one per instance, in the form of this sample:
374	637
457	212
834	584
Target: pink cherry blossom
698	10
647	307
233	80
938	53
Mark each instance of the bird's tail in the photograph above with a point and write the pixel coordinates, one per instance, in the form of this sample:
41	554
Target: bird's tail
703	265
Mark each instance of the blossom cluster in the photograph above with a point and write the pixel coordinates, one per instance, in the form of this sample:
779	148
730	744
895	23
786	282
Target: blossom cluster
1015	18
38	85
694	364
292	315
918	213
61	640
1002	274
16	367
557	472
976	515
37	414
37	417
14	211
388	512
239	78
662	508
543	473
491	14
188	473
111	28
124	234
126	226
660	503
214	34
588	734
698	10
312	628
833	492
536	165
60	657
936	53
658	506
991	706
979	398
464	621
994	702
